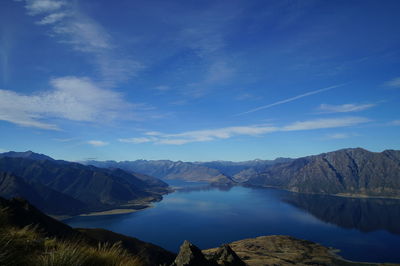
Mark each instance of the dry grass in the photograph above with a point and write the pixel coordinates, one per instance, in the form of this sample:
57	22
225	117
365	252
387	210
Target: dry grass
25	246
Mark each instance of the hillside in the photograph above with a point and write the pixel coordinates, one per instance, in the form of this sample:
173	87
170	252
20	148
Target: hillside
29	237
349	172
65	185
286	250
45	198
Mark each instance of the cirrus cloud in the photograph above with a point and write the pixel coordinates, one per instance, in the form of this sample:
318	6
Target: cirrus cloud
344	108
395	83
251	130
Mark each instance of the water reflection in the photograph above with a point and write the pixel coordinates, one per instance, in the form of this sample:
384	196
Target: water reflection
363	214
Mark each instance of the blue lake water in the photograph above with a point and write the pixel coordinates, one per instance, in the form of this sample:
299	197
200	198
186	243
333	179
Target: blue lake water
363	229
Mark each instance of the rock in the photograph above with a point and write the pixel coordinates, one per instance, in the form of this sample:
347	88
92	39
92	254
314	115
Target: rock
227	257
190	255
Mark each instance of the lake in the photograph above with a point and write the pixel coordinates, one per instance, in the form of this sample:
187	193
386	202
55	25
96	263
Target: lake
363	229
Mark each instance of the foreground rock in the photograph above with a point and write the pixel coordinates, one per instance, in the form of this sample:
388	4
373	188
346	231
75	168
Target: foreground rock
190	255
227	257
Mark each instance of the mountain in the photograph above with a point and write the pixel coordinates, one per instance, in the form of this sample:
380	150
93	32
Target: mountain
217	172
27	155
349	172
234	168
47	199
96	188
166	169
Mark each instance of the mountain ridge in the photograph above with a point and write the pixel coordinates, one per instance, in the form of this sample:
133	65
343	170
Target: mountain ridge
98	189
346	172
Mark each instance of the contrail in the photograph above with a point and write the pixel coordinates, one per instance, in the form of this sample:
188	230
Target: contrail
290	99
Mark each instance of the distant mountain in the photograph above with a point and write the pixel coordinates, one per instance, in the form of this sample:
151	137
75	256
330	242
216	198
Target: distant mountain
353	172
96	188
217	172
166	169
27	155
233	168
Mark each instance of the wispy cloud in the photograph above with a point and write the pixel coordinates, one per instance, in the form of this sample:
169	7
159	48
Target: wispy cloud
52	18
137	140
72	98
97	143
163	88
338	136
395	123
290	99
325	123
36	7
65	140
70	26
344	108
251	130
395	83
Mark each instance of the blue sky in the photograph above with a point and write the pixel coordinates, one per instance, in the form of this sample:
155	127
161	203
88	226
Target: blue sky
198	80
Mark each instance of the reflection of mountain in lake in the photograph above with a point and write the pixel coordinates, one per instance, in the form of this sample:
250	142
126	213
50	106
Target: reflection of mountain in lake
363	214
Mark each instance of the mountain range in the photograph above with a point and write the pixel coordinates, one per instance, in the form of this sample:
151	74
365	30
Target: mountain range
60	187
216	172
346	172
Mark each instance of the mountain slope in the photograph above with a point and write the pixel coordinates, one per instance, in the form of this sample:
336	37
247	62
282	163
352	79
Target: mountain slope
97	188
343	172
18	213
27	155
47	199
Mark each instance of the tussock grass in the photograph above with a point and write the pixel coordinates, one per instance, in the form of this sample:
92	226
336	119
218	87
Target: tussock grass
26	246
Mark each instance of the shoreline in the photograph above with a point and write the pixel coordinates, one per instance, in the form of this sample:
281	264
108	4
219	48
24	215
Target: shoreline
115	211
112	212
132	207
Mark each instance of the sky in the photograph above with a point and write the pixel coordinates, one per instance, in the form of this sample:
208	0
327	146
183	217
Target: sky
198	80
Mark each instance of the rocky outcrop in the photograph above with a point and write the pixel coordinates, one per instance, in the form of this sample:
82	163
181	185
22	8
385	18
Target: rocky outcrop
225	256
190	255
